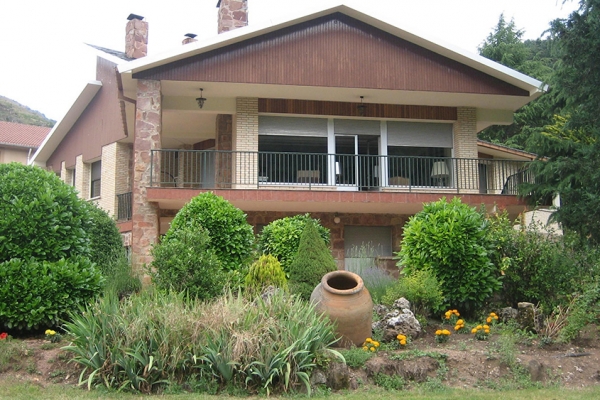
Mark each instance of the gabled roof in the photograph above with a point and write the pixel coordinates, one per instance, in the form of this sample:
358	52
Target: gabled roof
504	151
22	135
477	62
62	127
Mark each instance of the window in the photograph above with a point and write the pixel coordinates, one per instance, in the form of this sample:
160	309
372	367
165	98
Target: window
95	184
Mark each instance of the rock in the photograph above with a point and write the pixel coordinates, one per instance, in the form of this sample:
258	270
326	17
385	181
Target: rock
318	377
380	309
526	316
338	376
398	320
507	314
536	370
402	303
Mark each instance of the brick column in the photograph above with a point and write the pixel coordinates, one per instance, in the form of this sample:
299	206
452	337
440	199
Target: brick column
246	141
148	125
465	146
82	177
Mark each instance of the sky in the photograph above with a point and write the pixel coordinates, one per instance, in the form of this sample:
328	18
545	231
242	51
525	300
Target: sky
44	62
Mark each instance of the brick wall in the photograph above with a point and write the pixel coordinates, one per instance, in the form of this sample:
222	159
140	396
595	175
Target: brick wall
465	146
395	221
246	140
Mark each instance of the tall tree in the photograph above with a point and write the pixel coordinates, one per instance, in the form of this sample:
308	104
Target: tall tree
569	162
505	46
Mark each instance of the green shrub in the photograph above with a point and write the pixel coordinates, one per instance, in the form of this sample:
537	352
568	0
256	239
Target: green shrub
153	338
585	310
313	260
264	272
122	281
41	217
38	294
421	288
452	239
231	237
185	261
356	357
281	238
106	245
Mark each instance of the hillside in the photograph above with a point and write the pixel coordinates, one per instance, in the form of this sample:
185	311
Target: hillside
11	111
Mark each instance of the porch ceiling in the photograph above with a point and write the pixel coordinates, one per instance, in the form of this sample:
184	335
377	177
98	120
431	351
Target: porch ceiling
332	201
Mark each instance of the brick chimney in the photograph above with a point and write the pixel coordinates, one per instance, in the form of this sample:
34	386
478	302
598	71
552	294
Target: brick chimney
189	38
233	14
136	37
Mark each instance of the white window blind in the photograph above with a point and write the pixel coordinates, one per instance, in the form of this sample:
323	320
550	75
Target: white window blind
356	127
419	134
292	126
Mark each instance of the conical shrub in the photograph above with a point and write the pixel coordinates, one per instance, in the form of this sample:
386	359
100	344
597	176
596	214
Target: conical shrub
311	263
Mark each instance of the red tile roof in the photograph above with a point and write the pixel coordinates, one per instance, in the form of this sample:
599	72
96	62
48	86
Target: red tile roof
22	135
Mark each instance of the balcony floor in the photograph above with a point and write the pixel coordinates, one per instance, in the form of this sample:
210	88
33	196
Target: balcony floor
333	201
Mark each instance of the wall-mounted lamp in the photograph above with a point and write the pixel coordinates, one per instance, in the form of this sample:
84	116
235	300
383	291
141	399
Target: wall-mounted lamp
362	108
200	100
337	219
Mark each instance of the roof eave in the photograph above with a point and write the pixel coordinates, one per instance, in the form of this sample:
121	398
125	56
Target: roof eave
533	86
62	127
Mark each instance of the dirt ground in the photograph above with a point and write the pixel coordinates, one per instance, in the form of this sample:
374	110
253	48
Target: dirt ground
470	363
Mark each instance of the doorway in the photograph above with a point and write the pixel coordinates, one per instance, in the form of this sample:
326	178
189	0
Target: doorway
357	162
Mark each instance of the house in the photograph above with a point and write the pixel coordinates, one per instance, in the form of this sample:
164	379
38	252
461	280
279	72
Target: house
18	142
332	112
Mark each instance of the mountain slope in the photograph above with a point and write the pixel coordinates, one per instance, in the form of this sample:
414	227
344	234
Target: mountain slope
11	111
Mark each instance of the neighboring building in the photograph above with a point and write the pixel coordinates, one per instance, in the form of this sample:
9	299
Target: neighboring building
18	142
332	112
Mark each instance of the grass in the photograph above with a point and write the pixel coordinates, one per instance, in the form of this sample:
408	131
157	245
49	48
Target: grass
15	390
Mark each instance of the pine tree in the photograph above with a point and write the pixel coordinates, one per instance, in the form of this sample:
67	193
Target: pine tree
311	263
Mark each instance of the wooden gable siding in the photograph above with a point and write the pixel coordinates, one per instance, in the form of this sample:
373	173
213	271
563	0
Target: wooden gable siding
100	124
285	106
333	51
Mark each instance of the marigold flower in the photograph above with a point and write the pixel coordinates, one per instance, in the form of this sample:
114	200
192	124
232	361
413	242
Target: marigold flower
369	340
487	331
460	322
486	327
376	344
365	348
438	332
446	332
489	320
403	342
372	348
479	327
474	330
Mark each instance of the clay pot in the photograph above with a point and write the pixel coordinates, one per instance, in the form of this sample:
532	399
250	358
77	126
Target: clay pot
343	297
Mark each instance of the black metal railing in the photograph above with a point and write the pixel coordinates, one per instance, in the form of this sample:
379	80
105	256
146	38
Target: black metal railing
124	205
210	169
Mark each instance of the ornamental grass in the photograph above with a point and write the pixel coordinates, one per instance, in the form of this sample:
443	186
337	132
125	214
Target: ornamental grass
153	340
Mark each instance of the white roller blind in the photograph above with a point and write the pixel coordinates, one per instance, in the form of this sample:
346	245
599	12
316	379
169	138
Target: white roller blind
292	126
356	127
419	134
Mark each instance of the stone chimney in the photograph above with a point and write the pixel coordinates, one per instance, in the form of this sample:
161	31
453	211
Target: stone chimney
136	37
233	14
189	38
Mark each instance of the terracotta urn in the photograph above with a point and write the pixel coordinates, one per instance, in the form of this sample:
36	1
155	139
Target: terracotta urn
343	297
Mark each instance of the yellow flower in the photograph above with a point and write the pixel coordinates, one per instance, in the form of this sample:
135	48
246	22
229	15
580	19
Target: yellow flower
372	348
50	332
369	340
489	320
376	344
479	327
446	332
365	348
474	330
486	327
487	331
438	332
400	337
460	322
456	312
457	327
403	342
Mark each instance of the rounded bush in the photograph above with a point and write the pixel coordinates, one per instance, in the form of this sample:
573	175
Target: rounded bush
266	271
313	260
106	245
231	237
451	238
281	238
40	216
37	294
185	261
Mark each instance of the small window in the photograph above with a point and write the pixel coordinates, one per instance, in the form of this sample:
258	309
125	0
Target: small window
96	174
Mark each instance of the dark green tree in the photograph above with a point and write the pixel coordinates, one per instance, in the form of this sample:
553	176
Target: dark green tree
311	263
569	162
534	58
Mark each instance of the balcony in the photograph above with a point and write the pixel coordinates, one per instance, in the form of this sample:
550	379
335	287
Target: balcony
211	169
